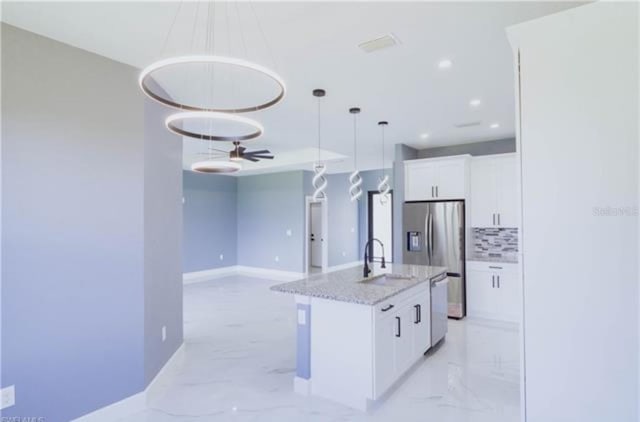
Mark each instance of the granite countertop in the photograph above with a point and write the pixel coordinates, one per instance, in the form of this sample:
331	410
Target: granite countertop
346	285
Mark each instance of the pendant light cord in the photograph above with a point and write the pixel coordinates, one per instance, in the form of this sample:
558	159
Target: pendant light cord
319	129
355	143
173	23
383	171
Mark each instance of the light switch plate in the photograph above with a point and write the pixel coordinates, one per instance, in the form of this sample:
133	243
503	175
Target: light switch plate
302	317
164	333
277	258
289	232
221	257
8	397
353	230
344	253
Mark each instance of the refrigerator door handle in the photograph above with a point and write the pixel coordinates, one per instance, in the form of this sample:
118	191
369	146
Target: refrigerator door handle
427	223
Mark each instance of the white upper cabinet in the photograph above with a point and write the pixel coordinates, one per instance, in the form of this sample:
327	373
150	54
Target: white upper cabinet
436	178
494	201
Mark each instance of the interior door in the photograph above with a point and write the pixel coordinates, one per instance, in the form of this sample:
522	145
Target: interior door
315	235
381	225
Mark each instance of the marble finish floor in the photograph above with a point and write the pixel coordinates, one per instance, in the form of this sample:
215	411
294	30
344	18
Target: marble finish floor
240	359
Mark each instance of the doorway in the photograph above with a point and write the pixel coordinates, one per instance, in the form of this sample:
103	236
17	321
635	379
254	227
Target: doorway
380	218
316	244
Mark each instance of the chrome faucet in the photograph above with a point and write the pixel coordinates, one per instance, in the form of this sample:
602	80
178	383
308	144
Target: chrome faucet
366	269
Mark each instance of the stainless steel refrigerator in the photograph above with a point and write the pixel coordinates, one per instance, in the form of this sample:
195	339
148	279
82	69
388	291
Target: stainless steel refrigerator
434	234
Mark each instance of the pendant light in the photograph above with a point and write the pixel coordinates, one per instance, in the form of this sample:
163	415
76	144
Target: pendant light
319	182
383	181
355	190
207	111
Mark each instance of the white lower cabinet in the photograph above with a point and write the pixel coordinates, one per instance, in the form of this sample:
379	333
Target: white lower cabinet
402	335
422	323
358	352
493	291
385	345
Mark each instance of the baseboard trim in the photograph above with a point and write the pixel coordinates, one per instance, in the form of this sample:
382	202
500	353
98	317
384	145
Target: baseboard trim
270	274
344	266
196	276
266	273
138	402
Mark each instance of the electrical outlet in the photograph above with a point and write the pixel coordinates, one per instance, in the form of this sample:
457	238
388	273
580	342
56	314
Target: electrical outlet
221	257
289	232
164	333
8	397
277	258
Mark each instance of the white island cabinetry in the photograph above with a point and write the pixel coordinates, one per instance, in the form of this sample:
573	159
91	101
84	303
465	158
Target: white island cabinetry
363	334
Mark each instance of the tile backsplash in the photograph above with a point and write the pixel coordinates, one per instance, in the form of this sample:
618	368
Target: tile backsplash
492	243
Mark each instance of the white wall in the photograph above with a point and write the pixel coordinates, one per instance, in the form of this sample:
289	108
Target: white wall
579	149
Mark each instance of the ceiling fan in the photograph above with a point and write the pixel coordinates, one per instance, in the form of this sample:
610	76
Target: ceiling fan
240	153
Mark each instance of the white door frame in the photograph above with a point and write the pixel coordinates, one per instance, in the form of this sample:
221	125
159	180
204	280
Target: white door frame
325	232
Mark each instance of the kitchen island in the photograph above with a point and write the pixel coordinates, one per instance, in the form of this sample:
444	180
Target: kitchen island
357	336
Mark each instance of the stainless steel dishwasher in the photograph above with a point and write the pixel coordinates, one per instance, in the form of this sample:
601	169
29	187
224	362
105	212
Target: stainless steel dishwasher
439	308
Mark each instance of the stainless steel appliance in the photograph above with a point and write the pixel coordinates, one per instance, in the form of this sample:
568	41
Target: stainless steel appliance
439	308
434	235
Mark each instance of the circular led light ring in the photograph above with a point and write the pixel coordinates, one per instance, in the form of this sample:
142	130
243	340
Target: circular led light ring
175	61
211	166
172	121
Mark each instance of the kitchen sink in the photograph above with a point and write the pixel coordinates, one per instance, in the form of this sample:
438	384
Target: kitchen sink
386	280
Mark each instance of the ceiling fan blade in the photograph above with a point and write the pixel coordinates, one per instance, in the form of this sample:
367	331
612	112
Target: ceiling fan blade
250	158
262	151
216	149
264	157
241	149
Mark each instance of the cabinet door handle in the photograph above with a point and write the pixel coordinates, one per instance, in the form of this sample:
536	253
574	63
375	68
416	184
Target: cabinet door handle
494	219
498	218
493	281
432	191
437	191
398	326
418	314
498	277
494	267
387	308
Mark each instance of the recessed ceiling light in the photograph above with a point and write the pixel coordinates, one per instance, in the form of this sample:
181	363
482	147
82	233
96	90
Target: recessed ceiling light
475	102
424	135
445	64
494	125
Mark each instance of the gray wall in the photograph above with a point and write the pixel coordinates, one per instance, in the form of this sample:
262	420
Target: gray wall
499	146
73	256
268	206
162	239
210	221
342	214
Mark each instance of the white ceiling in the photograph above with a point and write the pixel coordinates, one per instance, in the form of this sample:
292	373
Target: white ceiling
315	45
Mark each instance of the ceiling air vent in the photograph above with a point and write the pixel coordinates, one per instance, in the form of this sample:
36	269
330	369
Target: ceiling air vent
379	43
467	124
